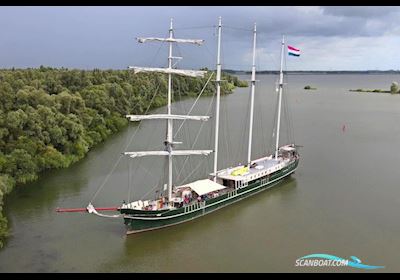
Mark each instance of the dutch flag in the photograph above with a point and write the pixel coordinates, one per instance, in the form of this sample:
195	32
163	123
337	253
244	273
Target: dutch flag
293	51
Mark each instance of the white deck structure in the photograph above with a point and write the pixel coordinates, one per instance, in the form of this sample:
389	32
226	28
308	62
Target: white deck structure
263	167
202	187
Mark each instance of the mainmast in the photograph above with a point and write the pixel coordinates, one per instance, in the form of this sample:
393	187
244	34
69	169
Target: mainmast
169	142
253	85
280	99
218	80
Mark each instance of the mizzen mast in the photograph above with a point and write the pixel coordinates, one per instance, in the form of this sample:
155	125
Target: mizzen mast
280	99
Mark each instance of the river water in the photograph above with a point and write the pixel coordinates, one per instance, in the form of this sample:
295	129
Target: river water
343	200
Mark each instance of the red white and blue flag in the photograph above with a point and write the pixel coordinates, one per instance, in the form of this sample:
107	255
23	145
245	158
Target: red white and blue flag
293	51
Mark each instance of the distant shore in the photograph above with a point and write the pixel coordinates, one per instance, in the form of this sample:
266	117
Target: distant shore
394	89
370	90
367	72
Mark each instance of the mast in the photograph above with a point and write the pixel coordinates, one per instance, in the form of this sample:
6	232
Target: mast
168	143
218	80
280	99
253	85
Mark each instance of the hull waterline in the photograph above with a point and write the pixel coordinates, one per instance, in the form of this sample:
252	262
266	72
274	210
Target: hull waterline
141	221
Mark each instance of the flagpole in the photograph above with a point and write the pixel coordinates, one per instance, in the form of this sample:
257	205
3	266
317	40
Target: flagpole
280	98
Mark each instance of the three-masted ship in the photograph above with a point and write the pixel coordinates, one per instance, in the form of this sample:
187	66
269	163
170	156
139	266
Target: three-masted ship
222	187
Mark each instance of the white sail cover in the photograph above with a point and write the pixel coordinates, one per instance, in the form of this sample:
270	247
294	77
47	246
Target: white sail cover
203	186
166	153
172	40
166	116
191	152
190	73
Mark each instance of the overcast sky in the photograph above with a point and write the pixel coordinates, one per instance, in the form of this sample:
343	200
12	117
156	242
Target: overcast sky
330	38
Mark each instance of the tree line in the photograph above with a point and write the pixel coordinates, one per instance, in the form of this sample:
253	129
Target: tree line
51	117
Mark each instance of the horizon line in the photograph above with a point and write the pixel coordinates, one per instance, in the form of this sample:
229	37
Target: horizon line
226	69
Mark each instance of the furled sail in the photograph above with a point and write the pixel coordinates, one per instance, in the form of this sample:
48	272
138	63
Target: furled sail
166	153
182	72
166	116
171	40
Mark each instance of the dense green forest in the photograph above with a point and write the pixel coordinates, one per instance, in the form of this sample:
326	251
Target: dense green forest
50	118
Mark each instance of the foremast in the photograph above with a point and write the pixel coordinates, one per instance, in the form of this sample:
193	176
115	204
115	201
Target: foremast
253	85
169	142
279	99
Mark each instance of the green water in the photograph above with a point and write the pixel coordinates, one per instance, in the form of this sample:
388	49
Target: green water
343	200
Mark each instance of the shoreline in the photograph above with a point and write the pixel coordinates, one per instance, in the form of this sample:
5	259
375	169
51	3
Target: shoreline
113	123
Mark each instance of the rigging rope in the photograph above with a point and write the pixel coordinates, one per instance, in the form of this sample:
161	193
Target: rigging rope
159	48
273	131
287	110
238	28
226	130
195	27
121	156
197	136
129	180
190	174
194	104
152	189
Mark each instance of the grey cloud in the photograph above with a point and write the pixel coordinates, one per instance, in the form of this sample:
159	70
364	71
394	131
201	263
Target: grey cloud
103	37
361	12
295	22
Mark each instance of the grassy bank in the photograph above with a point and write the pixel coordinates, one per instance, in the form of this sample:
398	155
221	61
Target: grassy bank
370	90
394	89
50	118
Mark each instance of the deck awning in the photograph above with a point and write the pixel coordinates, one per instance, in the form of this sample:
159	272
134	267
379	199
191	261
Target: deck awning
203	186
287	148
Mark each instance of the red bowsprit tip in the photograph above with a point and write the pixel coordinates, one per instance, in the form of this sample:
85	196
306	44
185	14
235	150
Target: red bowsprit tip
60	210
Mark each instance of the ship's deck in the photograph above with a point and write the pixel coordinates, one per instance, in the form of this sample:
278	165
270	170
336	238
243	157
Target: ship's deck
264	166
261	168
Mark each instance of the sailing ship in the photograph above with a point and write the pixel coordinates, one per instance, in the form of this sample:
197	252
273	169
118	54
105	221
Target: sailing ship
222	187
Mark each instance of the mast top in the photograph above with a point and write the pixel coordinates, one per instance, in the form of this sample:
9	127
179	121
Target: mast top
171	24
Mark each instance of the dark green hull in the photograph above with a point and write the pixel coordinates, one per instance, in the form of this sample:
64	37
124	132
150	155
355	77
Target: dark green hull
139	220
